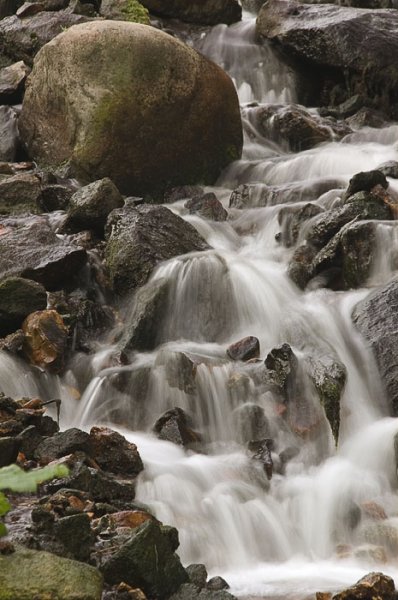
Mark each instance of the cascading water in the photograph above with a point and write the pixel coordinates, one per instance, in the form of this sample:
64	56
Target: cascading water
298	532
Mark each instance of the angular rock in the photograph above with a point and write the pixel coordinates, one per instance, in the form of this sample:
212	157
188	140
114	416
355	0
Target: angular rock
329	377
74	532
175	426
300	266
365	182
18	298
282	364
316	36
179	369
32	250
19	193
146	560
55	197
61	444
376	317
202	12
29	439
21	39
292	218
207	206
183	192
217	583
143	325
261	450
366	117
112	452
9	136
9	448
389	169
130	111
9	7
373	585
139	238
189	591
197	574
125	10
27	574
246	349
45	340
90	206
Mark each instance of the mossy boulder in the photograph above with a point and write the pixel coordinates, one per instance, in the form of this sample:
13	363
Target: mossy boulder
27	574
125	10
203	12
134	104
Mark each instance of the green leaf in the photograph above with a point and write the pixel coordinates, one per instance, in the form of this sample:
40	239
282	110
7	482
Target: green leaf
15	479
3	529
4	505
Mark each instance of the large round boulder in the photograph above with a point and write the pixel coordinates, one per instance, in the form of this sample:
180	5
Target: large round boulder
133	104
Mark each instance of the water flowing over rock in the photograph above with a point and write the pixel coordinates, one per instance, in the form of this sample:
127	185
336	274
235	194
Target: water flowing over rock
174	100
376	319
139	238
318	37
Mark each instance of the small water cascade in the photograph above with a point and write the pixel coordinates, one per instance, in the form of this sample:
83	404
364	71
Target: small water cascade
300	531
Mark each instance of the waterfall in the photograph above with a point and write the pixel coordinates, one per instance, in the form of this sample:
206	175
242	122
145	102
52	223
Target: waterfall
298	532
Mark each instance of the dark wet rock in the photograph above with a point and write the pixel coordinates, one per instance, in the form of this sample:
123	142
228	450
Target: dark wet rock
55	197
90	206
389	169
143	324
32	250
179	369
208	12
175	426
189	591
99	485
296	128
197	574
9	135
28	9
29	440
373	585
62	444
217	583
145	559
282	364
13	342
261	451
366	117
125	10
19	193
251	422
183	192
9	448
27	574
257	195
19	298
376	317
9	7
329	377
346	109
207	206
316	37
112	452
15	417
300	265
365	182
292	218
74	532
97	140
246	349
346	261
21	39
140	238
45	341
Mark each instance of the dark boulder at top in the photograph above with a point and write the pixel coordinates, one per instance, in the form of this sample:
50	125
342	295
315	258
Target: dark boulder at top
32	250
90	206
18	298
376	317
142	237
203	12
21	39
165	116
246	349
354	48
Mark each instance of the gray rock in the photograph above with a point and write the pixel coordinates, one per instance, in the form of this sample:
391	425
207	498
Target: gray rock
175	426
9	448
189	591
9	136
389	169
74	532
20	193
245	349
251	422
261	451
292	218
140	238
197	574
18	298
12	83
90	206
61	444
217	583
112	452
55	197
366	181
376	317
207	206
207	12
29	439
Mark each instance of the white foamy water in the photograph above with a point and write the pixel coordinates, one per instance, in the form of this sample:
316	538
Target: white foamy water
307	529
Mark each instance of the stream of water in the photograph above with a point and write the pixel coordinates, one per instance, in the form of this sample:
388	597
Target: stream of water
293	535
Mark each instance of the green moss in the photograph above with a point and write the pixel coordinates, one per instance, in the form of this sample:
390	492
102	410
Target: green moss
134	12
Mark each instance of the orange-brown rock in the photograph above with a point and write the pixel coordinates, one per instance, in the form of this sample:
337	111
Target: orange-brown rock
45	339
